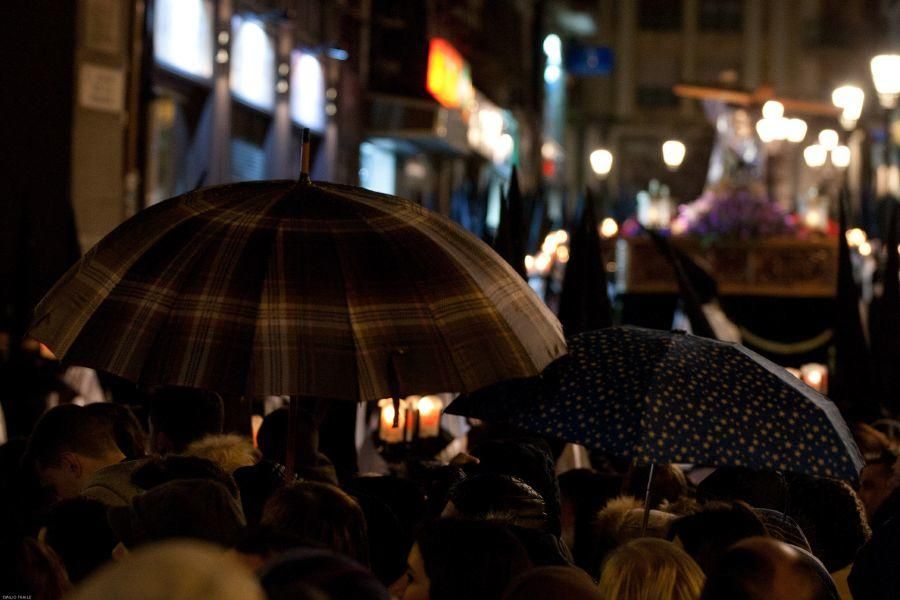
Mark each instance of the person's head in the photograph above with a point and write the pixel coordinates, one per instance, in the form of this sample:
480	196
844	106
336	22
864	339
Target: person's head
319	513
550	583
256	545
313	573
173	570
620	521
531	461
706	534
257	483
68	445
457	558
180	415
650	569
766	569
31	569
127	431
832	517
79	532
185	508
669	483
871	442
759	489
877	480
228	450
389	540
405	497
159	470
492	496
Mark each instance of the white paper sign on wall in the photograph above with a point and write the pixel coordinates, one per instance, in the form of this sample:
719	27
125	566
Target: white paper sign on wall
101	88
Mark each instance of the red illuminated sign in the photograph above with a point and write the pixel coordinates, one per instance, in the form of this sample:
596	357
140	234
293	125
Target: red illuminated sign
448	78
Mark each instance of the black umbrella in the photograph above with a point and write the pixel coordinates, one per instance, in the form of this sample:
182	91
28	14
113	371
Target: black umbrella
584	302
851	382
510	239
671	397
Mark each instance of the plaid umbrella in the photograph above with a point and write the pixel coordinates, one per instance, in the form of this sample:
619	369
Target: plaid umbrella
663	397
306	289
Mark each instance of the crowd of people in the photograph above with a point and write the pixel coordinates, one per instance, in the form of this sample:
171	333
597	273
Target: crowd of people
97	503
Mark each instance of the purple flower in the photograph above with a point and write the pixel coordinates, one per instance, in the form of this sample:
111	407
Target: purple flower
735	213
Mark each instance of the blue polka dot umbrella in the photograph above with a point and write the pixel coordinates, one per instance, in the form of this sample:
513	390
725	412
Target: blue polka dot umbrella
670	397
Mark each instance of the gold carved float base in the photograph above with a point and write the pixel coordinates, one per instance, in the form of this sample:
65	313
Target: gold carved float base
779	267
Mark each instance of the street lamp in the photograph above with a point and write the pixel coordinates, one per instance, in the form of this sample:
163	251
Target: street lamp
850	99
673	153
840	157
828	138
601	162
773	109
815	155
886	76
796	130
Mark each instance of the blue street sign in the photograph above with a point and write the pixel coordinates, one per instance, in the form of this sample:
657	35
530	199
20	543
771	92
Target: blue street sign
588	61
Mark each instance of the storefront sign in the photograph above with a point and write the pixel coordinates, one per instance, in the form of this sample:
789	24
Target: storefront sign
182	36
307	91
448	78
489	130
253	63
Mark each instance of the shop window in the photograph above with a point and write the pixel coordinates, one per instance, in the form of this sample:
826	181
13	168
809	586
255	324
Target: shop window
659	15
377	168
183	36
252	76
307	91
721	15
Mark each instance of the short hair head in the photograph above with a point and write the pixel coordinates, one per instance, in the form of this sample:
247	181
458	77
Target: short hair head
68	428
707	533
126	429
832	517
469	559
319	513
766	569
185	414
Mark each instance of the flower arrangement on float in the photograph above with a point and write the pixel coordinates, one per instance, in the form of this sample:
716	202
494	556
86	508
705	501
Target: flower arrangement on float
728	213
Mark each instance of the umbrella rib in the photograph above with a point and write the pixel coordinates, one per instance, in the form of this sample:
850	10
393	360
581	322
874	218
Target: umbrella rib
395	245
652	386
353	338
443	238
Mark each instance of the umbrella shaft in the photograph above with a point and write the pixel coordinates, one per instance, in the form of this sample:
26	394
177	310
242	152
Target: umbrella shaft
647	501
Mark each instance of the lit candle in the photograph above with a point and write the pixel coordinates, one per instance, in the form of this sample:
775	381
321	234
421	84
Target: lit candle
386	430
815	375
429	416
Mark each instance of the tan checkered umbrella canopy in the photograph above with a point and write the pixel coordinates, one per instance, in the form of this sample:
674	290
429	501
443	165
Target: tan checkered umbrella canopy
308	289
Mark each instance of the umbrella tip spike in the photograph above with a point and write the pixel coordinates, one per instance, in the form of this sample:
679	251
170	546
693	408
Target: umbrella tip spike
304	155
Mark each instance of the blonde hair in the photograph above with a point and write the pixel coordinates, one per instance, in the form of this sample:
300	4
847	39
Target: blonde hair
650	569
229	451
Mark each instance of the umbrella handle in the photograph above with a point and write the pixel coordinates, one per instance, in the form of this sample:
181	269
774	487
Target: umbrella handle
647	501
